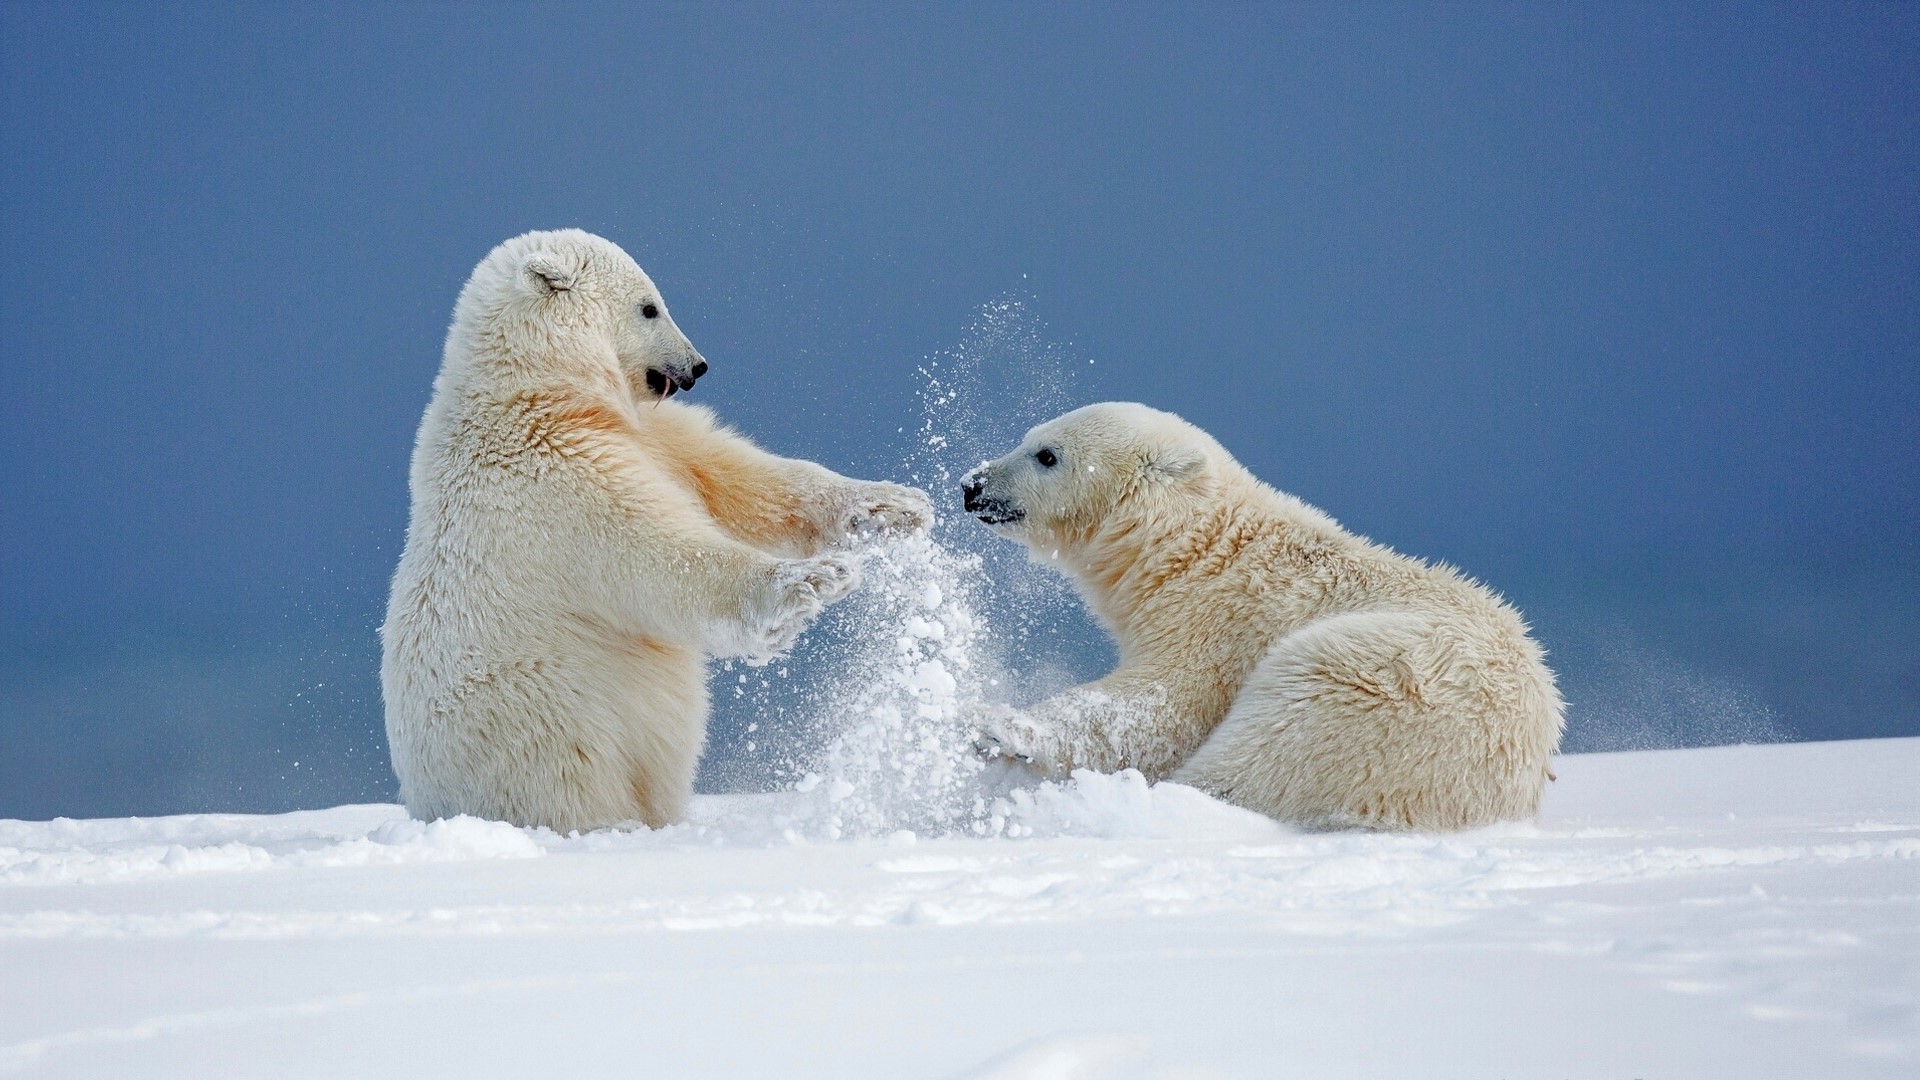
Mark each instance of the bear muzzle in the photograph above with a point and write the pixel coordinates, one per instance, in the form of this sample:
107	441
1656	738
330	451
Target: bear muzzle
988	509
662	382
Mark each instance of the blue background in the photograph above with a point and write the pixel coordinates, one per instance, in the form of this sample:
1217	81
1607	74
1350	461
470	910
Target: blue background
1615	306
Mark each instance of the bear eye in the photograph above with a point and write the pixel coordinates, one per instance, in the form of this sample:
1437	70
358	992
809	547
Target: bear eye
1047	459
650	310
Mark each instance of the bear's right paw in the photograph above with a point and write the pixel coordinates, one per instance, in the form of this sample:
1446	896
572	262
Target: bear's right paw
881	511
988	746
785	604
1008	734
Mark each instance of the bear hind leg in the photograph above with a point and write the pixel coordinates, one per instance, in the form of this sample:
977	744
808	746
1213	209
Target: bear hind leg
1367	720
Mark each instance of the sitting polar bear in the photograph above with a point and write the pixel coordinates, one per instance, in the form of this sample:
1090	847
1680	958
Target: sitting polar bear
579	544
1267	656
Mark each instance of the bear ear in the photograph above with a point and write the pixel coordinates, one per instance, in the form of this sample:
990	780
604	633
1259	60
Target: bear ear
547	274
1176	462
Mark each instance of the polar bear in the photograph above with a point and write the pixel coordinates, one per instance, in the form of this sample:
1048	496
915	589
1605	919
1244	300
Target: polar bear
579	544
1267	656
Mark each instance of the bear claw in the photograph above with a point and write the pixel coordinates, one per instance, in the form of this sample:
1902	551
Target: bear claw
1005	733
883	509
795	595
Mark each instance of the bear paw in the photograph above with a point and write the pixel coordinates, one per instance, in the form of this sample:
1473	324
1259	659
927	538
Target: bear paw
785	604
1008	734
880	510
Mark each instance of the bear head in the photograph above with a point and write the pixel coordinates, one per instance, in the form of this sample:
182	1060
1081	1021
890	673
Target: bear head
1106	466
542	288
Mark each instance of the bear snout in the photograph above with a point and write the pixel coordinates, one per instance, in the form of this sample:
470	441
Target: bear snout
989	509
664	381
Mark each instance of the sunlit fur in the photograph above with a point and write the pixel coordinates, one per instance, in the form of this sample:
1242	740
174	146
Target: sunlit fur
1267	655
578	546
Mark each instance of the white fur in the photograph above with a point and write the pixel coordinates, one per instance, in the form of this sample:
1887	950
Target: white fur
1267	655
578	545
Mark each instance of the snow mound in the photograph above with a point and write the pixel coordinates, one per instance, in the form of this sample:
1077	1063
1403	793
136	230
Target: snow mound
1123	806
64	851
68	852
457	839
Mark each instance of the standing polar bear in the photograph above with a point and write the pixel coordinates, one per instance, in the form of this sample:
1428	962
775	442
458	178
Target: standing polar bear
579	544
1266	655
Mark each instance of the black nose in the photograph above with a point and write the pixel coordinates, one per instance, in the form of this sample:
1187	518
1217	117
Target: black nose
699	368
970	489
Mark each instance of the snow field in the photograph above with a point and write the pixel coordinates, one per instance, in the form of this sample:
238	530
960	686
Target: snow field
1748	911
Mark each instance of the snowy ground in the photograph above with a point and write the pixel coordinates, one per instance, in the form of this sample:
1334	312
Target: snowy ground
1738	912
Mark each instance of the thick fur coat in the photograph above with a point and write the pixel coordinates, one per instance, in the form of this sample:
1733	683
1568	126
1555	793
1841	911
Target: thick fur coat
579	545
1267	655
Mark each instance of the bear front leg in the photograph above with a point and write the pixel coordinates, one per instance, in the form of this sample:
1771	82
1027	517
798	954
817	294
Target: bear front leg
790	596
863	511
778	504
1003	733
677	577
1124	721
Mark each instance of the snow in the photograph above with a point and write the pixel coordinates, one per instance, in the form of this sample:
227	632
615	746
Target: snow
1737	912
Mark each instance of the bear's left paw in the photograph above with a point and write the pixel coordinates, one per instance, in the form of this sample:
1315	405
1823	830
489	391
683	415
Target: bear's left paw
881	509
1008	734
790	600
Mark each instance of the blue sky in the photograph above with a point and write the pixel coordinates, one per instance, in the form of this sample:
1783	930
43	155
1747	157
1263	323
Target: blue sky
1615	306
